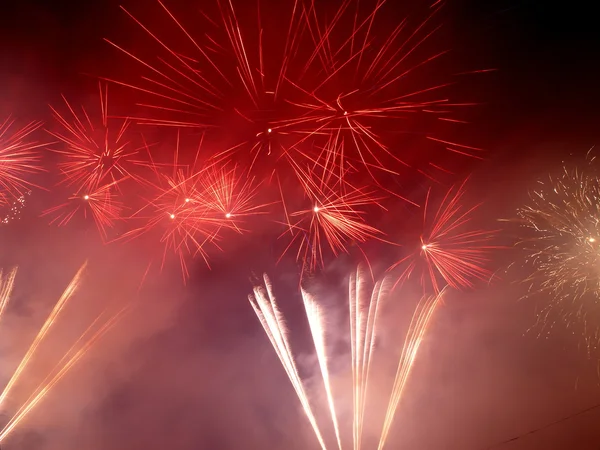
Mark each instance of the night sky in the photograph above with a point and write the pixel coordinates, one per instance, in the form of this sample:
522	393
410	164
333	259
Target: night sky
191	367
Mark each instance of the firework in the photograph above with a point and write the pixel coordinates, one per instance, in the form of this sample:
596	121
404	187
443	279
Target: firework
561	229
265	306
356	82
101	204
333	218
17	206
227	195
18	158
177	210
96	152
448	252
6	286
224	66
332	102
341	69
363	320
364	308
67	294
92	334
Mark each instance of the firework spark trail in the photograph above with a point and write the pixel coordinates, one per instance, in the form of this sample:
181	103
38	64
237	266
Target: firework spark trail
364	307
72	357
67	294
317	329
56	369
446	250
362	340
95	153
414	337
6	286
265	306
18	158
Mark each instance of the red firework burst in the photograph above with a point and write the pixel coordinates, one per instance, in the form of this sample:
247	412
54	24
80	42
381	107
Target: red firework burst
229	76
177	210
361	83
335	217
228	196
448	252
229	57
19	159
100	204
96	152
347	70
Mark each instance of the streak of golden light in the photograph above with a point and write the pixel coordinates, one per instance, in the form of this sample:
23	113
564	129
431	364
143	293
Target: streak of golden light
67	294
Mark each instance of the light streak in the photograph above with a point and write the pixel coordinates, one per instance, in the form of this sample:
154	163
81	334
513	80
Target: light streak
75	353
6	286
364	309
265	306
418	327
86	340
363	319
62	301
317	330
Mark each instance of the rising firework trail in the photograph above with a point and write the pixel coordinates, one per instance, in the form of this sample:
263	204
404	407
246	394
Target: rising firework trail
364	309
50	321
6	286
94	332
315	321
265	306
414	337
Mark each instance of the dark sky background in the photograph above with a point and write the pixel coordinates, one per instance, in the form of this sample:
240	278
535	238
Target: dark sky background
191	368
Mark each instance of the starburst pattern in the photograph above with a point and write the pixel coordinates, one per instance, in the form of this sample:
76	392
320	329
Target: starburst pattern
561	229
449	251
